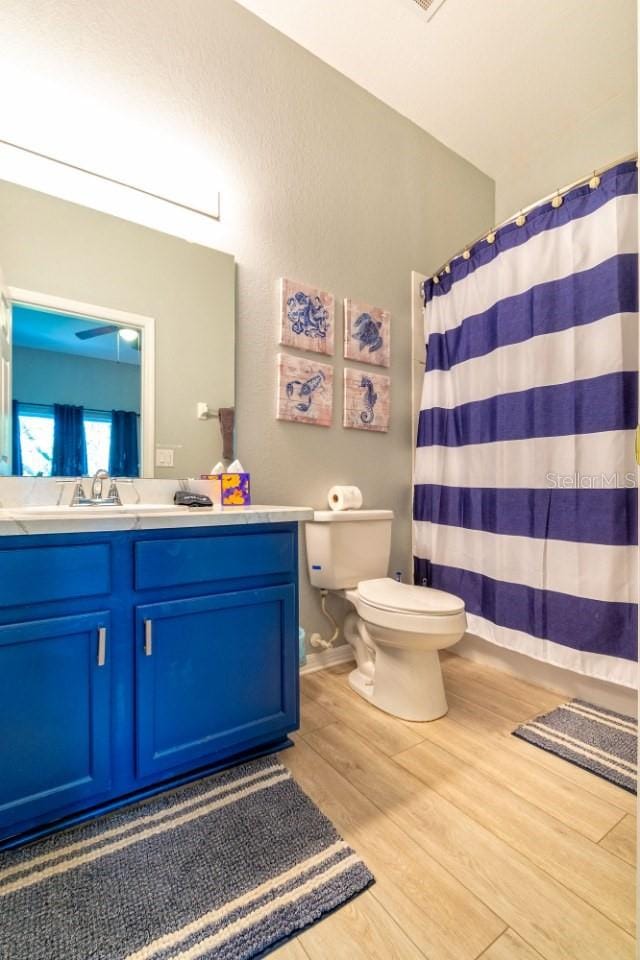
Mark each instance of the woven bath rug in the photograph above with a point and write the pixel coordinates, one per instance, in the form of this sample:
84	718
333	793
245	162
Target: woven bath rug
601	741
227	867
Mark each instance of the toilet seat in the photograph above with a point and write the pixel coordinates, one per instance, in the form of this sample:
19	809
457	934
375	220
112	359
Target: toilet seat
394	597
403	607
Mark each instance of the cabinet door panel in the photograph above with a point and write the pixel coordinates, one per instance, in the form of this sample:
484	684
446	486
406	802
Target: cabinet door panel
213	672
54	715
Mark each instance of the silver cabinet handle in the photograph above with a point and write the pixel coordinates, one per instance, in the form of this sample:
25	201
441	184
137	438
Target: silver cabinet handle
102	646
148	638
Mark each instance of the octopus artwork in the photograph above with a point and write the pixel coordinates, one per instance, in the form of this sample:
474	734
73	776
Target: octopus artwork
367	333
305	390
366	400
307	317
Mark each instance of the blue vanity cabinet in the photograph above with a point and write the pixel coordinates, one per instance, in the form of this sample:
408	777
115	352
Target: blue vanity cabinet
213	674
55	715
134	660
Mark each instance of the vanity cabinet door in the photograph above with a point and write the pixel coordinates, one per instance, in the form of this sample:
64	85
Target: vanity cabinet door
54	716
214	674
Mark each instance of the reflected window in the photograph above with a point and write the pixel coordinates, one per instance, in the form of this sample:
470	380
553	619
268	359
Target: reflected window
36	439
97	430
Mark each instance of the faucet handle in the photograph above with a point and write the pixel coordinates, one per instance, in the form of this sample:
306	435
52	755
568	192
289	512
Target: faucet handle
113	487
78	490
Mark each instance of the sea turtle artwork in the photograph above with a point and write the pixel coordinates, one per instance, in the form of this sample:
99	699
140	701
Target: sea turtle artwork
307	318
367	400
367	333
305	390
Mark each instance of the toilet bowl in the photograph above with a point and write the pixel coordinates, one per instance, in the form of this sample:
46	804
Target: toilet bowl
395	629
396	632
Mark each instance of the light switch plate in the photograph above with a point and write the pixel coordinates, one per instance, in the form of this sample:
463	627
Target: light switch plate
164	457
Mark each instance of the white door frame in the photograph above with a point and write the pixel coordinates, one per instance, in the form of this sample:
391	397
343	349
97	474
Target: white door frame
147	363
6	393
417	371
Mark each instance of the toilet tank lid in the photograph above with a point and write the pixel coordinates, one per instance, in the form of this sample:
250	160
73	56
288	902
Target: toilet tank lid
349	516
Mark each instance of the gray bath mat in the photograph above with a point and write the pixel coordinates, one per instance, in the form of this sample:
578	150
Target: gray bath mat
223	868
604	742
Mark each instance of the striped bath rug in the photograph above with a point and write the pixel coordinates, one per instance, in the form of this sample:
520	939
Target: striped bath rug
223	868
601	741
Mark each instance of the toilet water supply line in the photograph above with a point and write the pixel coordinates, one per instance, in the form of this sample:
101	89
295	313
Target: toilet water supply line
316	639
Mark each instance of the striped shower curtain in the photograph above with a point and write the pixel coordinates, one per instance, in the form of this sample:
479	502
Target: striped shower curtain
525	500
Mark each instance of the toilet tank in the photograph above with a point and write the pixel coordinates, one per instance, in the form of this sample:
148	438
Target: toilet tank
345	547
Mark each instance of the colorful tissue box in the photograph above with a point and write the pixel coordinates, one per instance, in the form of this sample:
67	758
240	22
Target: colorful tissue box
236	489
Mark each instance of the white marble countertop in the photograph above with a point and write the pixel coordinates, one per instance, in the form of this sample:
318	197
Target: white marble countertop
26	519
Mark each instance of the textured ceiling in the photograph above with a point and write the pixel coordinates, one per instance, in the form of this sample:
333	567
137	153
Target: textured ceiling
498	81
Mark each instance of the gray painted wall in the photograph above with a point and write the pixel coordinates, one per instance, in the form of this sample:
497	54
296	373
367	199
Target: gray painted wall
319	181
329	186
45	376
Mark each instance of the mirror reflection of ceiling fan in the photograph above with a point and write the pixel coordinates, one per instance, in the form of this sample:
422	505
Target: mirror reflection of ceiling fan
128	334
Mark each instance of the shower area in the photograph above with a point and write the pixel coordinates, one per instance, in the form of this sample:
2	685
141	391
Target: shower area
525	490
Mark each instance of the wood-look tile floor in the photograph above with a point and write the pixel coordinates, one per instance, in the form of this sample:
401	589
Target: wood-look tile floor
482	845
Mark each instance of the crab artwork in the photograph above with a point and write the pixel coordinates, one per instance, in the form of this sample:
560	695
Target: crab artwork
307	317
367	333
367	400
305	390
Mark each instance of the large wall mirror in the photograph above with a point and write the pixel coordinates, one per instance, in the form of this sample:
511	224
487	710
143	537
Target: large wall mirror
111	334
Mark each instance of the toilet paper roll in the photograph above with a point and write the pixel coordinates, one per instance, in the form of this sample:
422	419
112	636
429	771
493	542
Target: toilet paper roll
345	498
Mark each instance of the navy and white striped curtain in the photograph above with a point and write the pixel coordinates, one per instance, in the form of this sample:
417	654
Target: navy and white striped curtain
525	501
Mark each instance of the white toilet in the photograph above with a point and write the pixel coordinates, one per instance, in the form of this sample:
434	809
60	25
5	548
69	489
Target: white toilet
396	629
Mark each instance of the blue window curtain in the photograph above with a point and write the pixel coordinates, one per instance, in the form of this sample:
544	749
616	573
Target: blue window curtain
16	446
69	442
123	453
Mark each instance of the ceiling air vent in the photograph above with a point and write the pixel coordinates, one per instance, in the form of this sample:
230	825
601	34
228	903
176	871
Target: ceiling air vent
430	7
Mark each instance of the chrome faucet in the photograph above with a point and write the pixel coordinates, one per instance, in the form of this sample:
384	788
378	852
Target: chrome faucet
97	484
79	498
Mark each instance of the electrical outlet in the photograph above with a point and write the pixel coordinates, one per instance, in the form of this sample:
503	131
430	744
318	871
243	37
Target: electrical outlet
164	457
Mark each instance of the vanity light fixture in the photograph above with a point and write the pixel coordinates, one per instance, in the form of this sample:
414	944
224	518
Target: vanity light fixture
98	191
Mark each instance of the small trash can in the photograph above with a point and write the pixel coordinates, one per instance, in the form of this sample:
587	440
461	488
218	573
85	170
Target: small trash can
302	646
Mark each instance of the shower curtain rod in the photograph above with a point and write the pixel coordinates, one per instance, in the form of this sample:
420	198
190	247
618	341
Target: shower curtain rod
525	210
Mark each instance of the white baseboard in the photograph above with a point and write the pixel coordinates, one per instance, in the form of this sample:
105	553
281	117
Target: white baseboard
611	696
327	658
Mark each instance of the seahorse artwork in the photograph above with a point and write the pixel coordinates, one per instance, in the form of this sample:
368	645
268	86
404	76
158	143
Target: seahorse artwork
367	333
305	390
307	317
367	400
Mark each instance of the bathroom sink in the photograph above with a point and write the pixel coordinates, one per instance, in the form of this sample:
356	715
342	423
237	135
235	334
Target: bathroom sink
99	511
